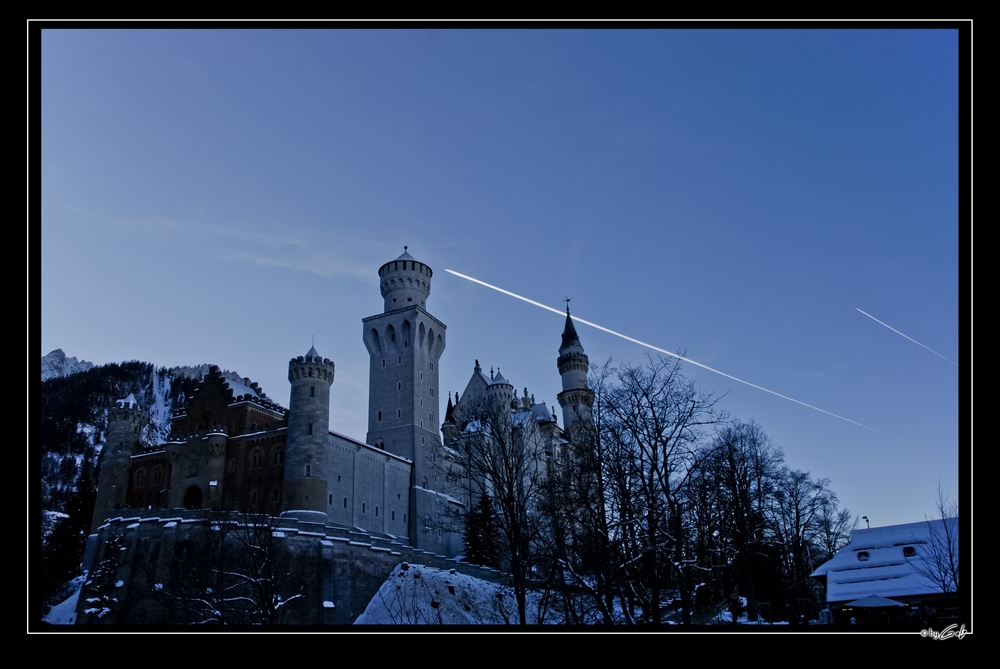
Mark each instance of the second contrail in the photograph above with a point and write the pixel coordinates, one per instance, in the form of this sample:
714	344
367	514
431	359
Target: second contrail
910	338
666	352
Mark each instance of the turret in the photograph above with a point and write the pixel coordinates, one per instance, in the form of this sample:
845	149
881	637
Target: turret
126	420
405	282
577	398
307	457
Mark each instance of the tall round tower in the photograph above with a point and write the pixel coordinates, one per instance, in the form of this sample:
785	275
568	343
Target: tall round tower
577	398
307	457
126	419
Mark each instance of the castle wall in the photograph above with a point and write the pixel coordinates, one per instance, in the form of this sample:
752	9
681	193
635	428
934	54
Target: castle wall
144	568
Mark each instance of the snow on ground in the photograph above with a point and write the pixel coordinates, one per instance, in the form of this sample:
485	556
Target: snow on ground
65	613
418	595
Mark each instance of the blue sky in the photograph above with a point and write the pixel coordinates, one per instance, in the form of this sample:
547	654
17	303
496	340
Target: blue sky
222	196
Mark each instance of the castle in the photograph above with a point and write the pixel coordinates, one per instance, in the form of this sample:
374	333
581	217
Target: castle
232	448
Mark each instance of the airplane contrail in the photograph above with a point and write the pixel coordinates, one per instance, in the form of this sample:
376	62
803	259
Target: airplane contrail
577	319
910	338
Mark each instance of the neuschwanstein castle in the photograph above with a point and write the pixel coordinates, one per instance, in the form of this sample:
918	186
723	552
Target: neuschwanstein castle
233	448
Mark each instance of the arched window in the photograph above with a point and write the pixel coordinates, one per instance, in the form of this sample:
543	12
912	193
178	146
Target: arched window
363	505
140	478
312	391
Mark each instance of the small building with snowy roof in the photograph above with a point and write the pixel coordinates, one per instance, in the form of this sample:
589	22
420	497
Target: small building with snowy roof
913	564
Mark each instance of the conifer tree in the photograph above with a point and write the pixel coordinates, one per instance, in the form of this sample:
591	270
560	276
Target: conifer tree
482	534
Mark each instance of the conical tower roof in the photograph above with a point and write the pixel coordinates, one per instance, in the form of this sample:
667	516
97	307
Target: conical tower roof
569	336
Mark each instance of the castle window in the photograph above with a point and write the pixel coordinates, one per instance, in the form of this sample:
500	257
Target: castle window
409	299
253	496
393	335
363	505
431	391
399	385
310	372
376	512
308	470
232	465
158	476
255	459
863	556
399	413
274	495
421	422
279	457
394	515
140	478
421	376
345	502
421	401
312	391
310	429
400	360
380	416
405	344
383	362
909	551
432	366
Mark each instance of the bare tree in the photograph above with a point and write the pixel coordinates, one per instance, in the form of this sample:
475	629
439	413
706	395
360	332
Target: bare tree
938	564
799	502
742	470
506	459
652	428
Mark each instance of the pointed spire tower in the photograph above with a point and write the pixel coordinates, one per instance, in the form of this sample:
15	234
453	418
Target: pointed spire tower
576	398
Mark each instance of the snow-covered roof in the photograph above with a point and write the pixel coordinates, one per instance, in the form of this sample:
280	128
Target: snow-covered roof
885	561
130	402
405	256
542	413
241	388
499	378
521	418
312	353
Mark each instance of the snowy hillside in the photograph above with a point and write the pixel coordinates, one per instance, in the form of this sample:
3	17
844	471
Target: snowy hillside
415	594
